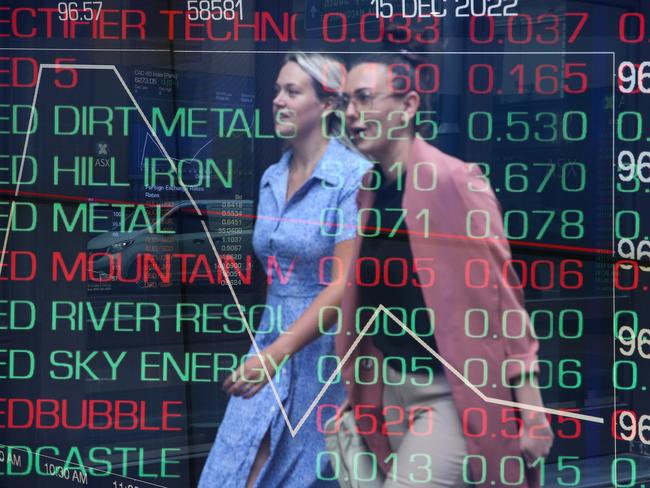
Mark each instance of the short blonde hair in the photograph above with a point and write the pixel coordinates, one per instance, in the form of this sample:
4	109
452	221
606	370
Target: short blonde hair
327	74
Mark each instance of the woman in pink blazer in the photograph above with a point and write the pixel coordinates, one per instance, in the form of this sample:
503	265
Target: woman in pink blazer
450	216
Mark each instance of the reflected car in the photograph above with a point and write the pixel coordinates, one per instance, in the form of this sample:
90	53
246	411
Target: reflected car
116	257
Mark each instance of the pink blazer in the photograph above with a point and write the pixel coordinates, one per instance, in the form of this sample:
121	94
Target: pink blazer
448	249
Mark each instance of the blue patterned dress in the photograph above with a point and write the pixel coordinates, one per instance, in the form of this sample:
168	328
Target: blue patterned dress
304	230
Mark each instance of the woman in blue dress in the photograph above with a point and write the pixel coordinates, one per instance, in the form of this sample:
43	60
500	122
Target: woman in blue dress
306	220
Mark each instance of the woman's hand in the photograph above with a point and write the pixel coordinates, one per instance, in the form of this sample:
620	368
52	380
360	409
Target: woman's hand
539	445
250	377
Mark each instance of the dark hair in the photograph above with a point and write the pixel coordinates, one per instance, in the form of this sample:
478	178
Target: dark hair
404	62
403	66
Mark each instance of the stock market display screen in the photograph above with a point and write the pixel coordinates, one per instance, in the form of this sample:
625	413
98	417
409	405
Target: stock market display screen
305	243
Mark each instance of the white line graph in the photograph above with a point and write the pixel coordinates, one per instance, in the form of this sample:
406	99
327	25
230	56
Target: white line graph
293	430
148	137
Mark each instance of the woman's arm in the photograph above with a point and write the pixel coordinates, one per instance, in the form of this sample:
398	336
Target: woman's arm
525	348
303	331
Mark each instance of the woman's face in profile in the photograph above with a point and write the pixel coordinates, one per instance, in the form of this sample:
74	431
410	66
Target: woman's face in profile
296	108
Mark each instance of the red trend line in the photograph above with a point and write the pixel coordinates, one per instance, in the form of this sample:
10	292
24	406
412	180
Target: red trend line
538	245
